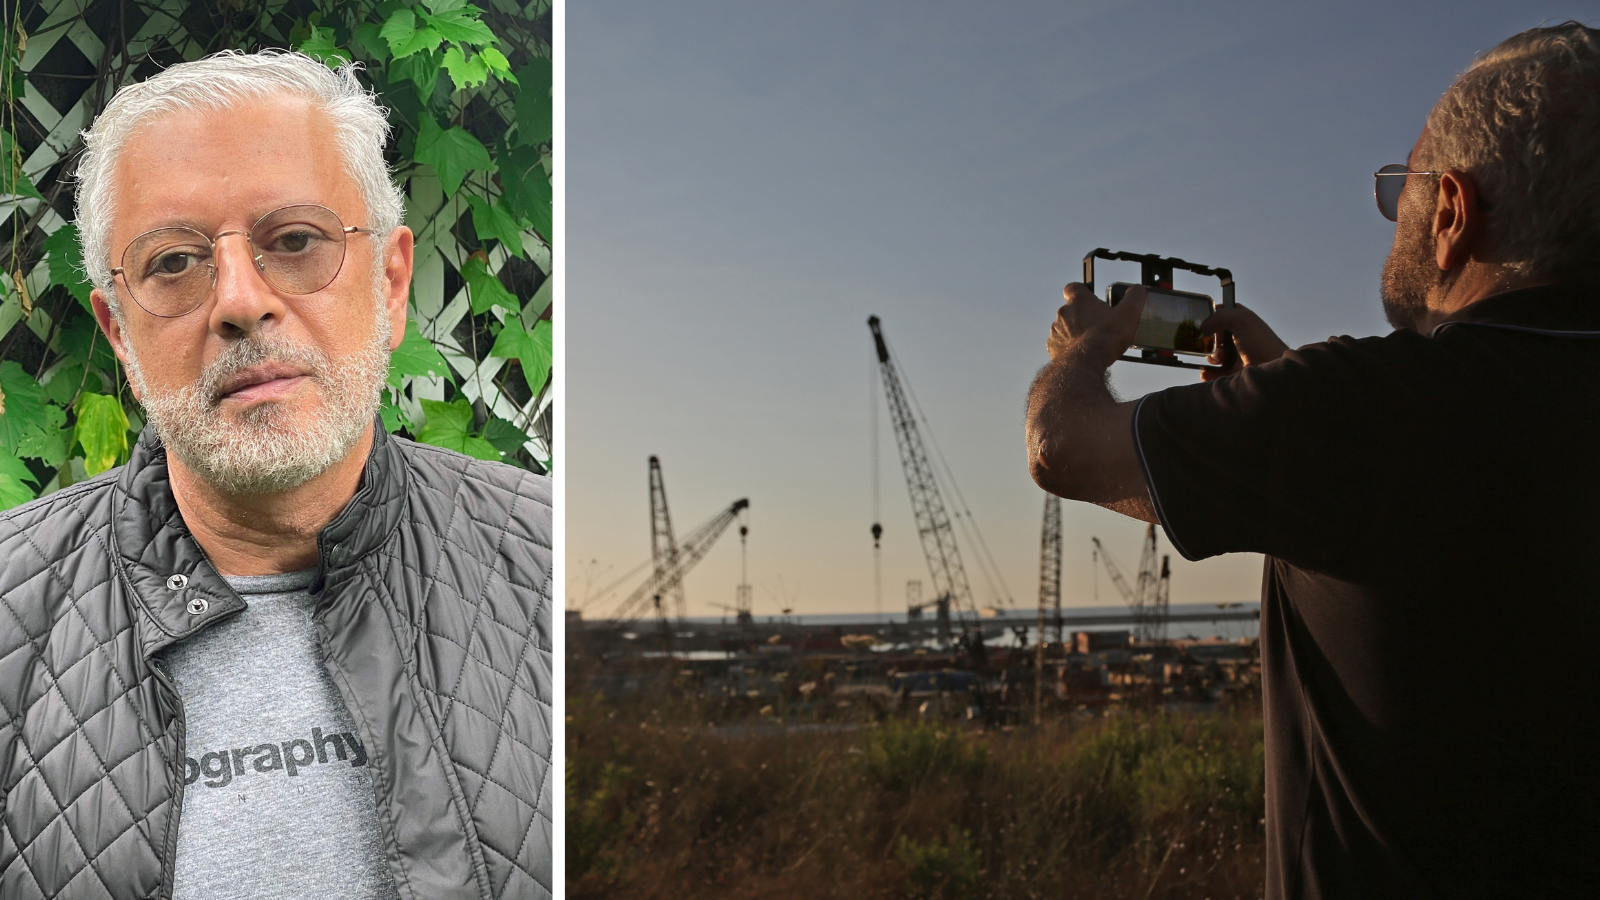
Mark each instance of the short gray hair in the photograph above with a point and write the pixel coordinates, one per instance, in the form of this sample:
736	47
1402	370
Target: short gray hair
218	82
1524	122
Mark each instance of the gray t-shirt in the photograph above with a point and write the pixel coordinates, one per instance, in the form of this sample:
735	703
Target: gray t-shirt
278	802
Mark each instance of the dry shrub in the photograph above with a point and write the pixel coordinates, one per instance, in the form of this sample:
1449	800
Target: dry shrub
1138	805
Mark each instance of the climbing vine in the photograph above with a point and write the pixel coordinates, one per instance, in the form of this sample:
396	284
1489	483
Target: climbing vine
468	89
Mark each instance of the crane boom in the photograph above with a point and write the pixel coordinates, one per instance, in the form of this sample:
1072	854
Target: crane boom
1123	588
927	504
1147	601
663	546
690	551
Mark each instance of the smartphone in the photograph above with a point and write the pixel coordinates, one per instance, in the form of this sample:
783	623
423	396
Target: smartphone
1171	319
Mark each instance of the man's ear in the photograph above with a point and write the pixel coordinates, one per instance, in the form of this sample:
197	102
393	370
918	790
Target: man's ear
397	267
1457	220
115	336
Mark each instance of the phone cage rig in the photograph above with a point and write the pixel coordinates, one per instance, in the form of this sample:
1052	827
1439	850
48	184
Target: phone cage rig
1156	271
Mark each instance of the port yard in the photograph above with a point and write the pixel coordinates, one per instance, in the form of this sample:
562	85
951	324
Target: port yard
780	760
826	672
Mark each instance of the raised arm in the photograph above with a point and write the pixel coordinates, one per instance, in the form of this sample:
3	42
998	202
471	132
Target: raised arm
1080	438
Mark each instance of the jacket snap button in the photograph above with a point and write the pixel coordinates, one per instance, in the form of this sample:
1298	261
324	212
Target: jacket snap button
198	605
177	582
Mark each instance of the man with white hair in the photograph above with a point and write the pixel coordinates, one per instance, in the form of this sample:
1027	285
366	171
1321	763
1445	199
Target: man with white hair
280	653
1426	501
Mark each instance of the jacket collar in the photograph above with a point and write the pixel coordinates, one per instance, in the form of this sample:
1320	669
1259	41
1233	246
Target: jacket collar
1562	310
170	577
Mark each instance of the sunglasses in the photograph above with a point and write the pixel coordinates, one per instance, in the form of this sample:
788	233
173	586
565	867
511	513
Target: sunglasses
1389	183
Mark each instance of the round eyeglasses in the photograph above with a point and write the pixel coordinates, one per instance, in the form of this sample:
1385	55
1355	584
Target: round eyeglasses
1388	191
169	272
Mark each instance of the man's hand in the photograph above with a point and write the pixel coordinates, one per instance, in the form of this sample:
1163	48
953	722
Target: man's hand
1089	326
1255	342
1080	439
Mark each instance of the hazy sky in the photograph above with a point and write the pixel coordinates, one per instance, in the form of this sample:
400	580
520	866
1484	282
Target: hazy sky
748	181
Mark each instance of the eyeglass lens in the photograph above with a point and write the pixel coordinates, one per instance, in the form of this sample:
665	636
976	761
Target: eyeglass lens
297	249
1390	184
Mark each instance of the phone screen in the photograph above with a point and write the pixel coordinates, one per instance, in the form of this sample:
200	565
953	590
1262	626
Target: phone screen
1171	319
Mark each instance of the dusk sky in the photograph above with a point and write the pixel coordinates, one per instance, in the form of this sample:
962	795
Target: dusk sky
747	182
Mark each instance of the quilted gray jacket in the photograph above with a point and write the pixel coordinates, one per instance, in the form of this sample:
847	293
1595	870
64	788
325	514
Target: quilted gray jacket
433	613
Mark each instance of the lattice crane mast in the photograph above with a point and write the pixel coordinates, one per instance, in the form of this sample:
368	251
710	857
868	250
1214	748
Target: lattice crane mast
672	560
1050	566
1147	601
663	546
950	587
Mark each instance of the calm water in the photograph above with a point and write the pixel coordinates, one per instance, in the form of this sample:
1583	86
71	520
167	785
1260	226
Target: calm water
1198	628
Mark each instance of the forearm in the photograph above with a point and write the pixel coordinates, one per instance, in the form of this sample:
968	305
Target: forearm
1080	438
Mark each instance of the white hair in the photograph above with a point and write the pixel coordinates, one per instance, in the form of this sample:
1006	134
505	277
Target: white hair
1524	122
219	82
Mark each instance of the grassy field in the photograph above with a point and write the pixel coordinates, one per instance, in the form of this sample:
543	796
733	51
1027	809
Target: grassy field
1135	804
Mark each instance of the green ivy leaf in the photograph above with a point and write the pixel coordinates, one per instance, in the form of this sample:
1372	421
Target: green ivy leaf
443	6
398	29
494	221
14	481
462	26
466	73
452	153
102	430
368	42
422	70
450	426
485	289
531	196
535	106
321	46
394	418
64	383
52	445
65	254
417	40
81	340
506	437
416	355
498	64
525	183
532	349
15	468
22	406
13	492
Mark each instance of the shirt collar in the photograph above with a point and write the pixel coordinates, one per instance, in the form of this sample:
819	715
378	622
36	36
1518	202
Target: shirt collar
1569	310
170	576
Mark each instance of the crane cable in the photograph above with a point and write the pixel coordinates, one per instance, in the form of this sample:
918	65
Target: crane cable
877	518
958	505
986	560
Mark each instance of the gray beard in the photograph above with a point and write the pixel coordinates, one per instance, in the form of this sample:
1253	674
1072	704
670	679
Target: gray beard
268	448
1410	276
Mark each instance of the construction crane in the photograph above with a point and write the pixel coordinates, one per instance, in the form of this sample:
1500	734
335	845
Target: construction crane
1049	594
1050	566
663	547
741	593
672	560
950	587
1147	601
690	552
743	615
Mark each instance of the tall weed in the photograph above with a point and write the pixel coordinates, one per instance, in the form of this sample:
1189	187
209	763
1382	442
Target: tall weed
900	756
1140	805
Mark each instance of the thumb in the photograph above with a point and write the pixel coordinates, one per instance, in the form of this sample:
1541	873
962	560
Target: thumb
1126	313
1225	318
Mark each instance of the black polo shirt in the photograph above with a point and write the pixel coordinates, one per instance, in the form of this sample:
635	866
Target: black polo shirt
1430	508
